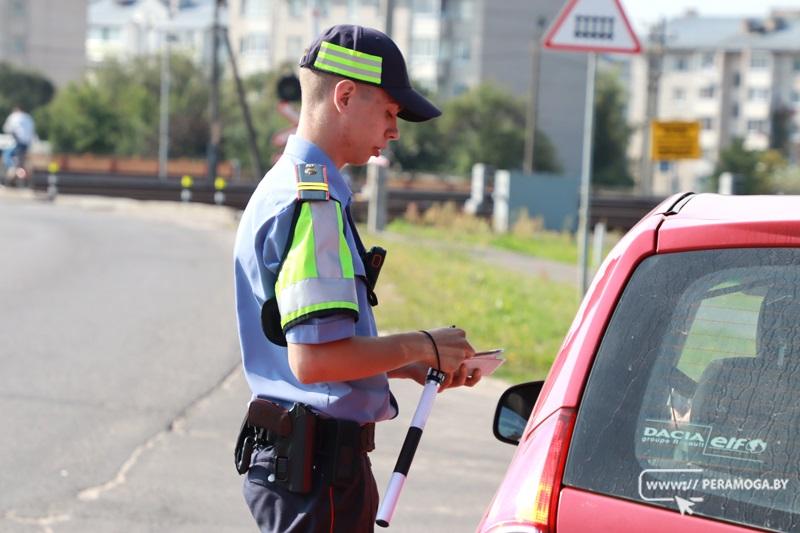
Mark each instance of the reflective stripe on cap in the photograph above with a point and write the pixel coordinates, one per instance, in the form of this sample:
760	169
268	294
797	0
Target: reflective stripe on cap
350	63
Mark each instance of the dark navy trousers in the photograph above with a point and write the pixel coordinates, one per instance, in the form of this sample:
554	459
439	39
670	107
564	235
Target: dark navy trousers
326	509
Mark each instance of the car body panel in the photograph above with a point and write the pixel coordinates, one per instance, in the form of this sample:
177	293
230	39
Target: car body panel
581	511
683	222
567	375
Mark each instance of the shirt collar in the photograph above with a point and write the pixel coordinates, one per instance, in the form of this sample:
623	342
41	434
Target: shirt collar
309	152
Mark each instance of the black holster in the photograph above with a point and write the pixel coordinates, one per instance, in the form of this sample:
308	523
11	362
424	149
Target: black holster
292	433
302	441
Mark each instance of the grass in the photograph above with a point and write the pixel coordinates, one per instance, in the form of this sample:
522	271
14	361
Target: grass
424	286
446	222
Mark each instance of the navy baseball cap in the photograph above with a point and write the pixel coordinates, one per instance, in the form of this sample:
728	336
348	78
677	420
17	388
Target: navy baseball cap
369	56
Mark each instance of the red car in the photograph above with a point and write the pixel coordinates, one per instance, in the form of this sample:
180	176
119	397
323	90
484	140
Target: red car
674	402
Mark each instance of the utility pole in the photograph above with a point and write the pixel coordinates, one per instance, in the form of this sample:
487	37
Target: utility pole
163	126
387	8
586	173
215	125
655	60
529	164
313	7
251	132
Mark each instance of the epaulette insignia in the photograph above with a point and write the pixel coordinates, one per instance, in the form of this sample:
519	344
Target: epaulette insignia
312	182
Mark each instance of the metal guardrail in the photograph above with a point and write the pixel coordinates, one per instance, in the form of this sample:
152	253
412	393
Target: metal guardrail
619	213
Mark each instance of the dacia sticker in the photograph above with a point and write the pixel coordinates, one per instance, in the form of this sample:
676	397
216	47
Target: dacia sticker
671	433
703	437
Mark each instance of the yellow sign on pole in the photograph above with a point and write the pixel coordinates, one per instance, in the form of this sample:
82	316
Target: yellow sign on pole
672	140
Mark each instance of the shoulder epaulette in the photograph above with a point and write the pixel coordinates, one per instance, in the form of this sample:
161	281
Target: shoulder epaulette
312	182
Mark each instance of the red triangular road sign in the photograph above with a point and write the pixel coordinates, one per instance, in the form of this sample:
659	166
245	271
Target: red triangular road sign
592	26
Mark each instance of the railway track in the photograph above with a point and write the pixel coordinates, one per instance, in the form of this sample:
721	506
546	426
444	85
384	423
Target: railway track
619	213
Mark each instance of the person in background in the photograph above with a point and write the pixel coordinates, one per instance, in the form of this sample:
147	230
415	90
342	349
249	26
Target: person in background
19	124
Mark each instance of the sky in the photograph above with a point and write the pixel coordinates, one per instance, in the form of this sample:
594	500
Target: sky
642	13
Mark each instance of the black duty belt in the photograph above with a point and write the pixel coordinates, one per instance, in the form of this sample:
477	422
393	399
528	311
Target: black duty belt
299	435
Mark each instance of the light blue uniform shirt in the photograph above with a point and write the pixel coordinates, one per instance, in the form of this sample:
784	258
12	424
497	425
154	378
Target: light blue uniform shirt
260	244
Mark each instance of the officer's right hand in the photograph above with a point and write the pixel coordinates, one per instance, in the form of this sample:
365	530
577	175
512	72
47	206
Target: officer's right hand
453	349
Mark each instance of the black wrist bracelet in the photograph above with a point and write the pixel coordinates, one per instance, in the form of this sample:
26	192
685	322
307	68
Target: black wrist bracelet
435	349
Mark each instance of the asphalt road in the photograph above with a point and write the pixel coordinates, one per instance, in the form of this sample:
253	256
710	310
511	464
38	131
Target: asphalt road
121	390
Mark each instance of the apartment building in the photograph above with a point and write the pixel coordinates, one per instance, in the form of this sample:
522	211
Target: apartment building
450	46
267	34
123	29
739	77
46	36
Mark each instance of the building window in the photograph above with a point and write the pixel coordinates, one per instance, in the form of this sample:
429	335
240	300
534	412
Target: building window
18	45
707	60
796	64
254	8
681	63
296	8
254	43
423	48
17	8
294	46
735	110
796	97
461	10
678	94
322	8
758	94
737	79
759	60
461	50
756	126
707	123
707	91
425	7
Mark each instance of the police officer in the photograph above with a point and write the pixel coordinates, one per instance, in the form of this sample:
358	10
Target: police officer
312	357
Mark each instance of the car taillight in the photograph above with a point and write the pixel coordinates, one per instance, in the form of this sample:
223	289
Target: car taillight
527	499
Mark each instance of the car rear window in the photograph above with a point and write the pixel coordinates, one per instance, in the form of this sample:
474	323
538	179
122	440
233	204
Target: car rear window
693	401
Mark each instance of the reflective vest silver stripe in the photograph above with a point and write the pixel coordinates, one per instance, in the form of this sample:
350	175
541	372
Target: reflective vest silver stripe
326	239
321	279
316	294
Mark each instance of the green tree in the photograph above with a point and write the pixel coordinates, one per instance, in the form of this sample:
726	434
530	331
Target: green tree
115	110
82	119
262	100
743	164
781	129
611	133
25	88
487	125
545	155
419	146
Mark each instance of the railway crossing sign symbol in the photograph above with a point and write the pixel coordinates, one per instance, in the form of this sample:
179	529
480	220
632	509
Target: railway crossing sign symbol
593	26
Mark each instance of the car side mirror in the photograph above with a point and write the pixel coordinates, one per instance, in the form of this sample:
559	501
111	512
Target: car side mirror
513	410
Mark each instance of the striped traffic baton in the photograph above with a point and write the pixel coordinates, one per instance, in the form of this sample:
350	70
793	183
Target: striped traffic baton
389	503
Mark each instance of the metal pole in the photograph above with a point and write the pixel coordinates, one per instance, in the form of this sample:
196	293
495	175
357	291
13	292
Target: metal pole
392	495
313	6
529	163
215	130
655	60
248	121
163	129
586	173
388	16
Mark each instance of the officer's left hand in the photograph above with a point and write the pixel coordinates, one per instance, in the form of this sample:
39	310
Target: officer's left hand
462	376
